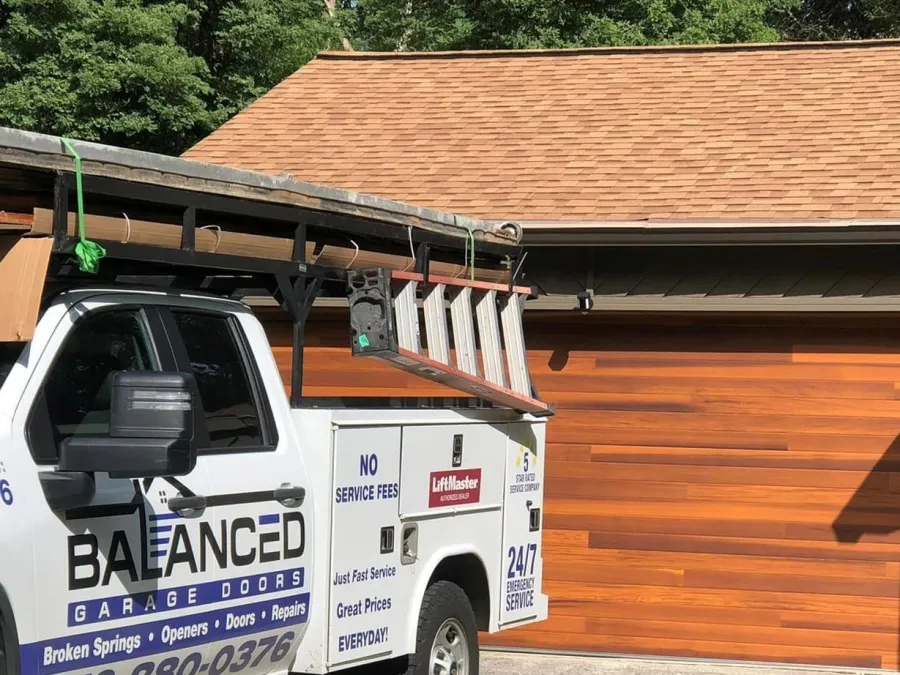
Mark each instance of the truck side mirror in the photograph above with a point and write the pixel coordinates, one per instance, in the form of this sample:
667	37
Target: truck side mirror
152	429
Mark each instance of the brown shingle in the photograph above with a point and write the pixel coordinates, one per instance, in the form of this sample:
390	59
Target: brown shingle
776	132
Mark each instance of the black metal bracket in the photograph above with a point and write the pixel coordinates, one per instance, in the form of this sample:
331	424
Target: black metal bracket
313	287
298	254
372	327
287	293
188	229
60	214
516	269
423	260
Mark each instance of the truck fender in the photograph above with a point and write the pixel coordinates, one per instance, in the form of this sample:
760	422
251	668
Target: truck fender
421	585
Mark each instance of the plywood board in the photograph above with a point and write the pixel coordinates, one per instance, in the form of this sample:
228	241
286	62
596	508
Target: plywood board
23	267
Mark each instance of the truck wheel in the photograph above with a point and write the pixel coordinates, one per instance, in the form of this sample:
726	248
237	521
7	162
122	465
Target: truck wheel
3	670
9	648
446	639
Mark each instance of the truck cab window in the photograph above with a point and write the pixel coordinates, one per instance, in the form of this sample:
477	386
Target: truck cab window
232	415
9	354
75	399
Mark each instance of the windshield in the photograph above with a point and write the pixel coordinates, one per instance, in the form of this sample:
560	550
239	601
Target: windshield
9	354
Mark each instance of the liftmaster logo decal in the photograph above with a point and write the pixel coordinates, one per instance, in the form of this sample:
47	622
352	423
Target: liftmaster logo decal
454	488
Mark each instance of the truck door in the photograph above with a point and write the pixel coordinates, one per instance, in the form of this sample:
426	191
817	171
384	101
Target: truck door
111	596
258	516
521	570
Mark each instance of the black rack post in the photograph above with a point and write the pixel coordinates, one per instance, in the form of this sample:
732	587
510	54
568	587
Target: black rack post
298	337
298	317
188	229
60	212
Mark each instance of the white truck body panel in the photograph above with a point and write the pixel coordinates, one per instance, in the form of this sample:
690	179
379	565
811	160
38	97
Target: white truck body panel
247	584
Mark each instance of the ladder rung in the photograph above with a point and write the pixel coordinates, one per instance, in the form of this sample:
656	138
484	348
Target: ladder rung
514	341
436	324
460	281
489	332
464	331
407	313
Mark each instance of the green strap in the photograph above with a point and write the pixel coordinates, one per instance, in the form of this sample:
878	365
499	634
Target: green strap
472	255
88	252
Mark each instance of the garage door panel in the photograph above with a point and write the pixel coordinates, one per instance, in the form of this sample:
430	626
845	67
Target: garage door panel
787	371
665	438
792	583
826	461
747	529
836	621
699	479
730	475
727	405
563	382
589	489
614	574
590	609
726	515
781	601
671	526
755	564
574	426
716	546
774	495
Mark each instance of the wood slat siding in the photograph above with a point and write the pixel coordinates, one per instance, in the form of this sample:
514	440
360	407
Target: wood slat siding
713	490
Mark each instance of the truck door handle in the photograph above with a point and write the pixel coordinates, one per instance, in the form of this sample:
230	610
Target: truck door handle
289	496
193	502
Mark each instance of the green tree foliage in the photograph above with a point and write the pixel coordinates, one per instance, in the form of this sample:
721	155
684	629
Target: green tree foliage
153	74
109	70
525	24
843	19
251	45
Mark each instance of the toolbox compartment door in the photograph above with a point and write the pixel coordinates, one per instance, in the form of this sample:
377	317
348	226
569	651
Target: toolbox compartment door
452	468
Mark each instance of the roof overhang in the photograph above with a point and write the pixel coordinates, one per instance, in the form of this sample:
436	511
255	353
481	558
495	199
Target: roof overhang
709	233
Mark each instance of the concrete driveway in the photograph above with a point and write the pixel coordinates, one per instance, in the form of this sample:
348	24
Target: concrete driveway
507	663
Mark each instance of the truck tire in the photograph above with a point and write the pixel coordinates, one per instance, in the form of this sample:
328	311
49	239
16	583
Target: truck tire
446	638
9	648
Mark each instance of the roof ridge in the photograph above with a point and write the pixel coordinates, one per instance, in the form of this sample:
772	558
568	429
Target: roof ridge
578	51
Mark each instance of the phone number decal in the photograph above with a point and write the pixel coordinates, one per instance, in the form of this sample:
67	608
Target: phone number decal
97	650
227	660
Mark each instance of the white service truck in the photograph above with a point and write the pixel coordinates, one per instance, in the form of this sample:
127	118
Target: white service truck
166	509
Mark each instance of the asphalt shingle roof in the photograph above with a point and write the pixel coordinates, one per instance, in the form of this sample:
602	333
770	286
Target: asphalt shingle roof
779	132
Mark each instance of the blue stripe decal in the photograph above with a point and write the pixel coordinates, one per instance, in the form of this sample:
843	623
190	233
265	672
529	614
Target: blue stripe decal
102	648
158	542
269	519
161	600
160	528
157	554
163	516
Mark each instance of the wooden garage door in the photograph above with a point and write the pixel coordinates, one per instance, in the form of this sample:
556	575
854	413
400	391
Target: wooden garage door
723	491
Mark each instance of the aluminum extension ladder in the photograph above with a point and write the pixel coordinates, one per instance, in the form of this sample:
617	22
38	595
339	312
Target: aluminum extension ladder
384	319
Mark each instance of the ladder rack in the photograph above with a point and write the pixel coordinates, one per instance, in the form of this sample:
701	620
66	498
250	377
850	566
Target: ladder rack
270	234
